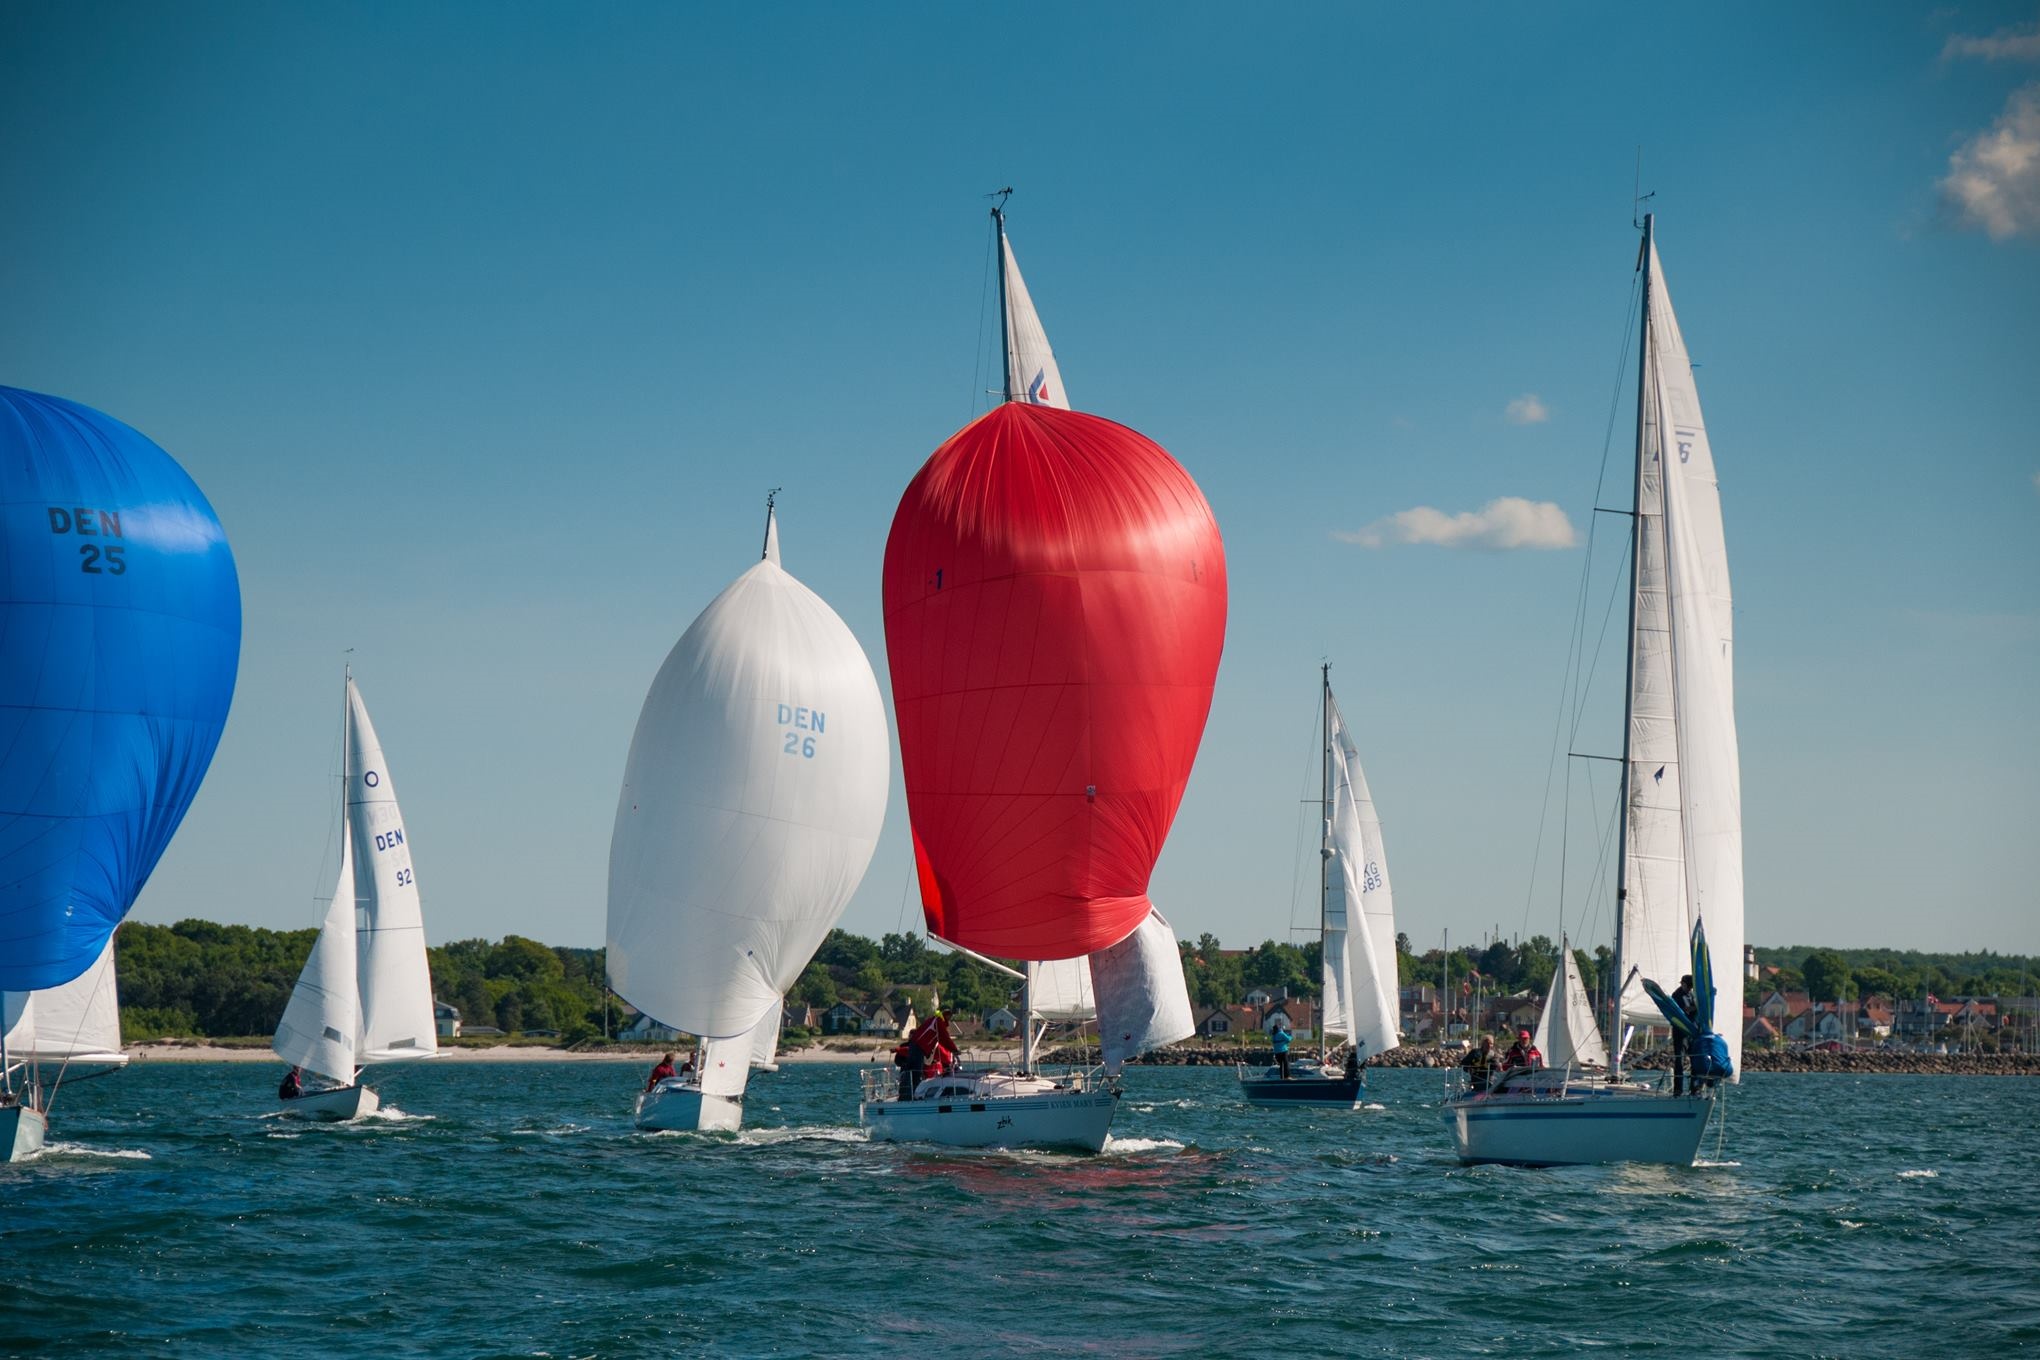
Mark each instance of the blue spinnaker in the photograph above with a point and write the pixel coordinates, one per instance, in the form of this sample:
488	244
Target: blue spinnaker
120	633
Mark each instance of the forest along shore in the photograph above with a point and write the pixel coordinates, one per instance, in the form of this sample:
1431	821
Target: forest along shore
1860	1061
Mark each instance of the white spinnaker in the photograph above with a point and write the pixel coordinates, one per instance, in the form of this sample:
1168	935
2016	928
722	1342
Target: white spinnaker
1031	374
765	1039
1358	874
1703	666
322	1021
76	1022
1060	990
1143	1001
396	983
1566	1033
751	805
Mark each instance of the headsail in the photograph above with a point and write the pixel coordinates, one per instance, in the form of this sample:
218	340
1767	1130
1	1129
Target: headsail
321	1025
1143	1001
1684	846
396	983
751	804
1566	1033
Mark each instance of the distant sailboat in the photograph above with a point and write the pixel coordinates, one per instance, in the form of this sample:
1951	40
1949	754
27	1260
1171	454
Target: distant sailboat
120	633
751	805
365	995
1356	926
1054	612
1679	876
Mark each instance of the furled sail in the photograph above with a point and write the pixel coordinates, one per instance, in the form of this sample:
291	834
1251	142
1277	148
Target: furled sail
77	1022
1054	611
1362	997
1684	848
396	983
1031	374
119	636
752	800
1566	1033
321	1025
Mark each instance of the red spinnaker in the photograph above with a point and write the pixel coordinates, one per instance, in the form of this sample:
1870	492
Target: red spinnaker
1054	614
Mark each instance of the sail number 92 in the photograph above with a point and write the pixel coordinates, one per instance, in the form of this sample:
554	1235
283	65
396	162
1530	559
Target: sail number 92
806	725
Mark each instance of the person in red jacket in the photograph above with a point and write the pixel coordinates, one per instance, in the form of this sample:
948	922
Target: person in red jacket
661	1072
1522	1053
938	1049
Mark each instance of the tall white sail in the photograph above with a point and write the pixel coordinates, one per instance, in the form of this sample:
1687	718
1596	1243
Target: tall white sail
1143	1001
1683	859
1031	374
1060	990
396	983
751	805
1566	1033
78	1022
322	1021
1359	945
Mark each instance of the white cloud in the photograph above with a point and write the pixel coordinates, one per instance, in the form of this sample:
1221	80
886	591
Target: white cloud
1993	179
2007	44
1528	409
1505	523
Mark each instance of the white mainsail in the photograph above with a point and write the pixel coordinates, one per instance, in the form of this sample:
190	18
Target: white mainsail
1361	982
751	804
322	1021
395	980
1683	850
1031	374
1566	1033
78	1022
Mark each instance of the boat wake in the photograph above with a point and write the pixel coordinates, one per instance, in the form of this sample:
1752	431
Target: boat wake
1127	1147
1702	1164
1919	1175
801	1133
84	1150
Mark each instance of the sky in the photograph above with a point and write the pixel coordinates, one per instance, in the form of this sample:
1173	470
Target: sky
486	327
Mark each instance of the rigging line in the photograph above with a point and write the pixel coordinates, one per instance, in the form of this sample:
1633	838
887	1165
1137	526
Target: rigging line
1576	634
977	372
1296	848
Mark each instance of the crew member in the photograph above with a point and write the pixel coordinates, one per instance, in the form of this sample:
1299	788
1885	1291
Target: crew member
1522	1053
1279	1038
1682	1044
1480	1063
661	1072
293	1086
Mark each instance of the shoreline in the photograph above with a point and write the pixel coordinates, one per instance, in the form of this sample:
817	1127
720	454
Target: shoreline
182	1051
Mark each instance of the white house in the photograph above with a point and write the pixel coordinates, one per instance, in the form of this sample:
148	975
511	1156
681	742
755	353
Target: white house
645	1030
446	1019
1002	1021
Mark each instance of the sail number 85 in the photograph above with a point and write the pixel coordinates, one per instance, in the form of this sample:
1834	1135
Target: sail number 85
798	745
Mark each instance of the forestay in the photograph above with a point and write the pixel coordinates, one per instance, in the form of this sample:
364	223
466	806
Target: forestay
752	800
1684	842
396	982
1566	1033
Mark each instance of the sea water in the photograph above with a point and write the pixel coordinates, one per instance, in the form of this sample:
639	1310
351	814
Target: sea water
512	1210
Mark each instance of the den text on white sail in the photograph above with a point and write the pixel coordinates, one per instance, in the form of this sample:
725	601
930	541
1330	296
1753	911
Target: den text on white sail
396	982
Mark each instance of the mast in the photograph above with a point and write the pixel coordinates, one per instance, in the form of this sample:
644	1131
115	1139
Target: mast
1027	1020
1615	1045
1005	324
1324	882
765	550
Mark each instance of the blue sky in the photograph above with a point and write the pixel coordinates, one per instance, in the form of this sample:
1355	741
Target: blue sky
485	327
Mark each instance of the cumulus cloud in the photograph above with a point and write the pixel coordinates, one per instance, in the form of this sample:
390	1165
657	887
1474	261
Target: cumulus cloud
1505	523
1528	409
1993	179
2018	43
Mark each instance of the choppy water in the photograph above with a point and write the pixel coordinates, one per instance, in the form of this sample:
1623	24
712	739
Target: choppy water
512	1210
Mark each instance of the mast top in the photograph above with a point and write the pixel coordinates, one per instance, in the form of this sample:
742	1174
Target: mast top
770	552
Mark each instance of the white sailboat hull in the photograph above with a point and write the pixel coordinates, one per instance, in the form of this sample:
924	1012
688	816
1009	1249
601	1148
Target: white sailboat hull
993	1111
1579	1127
21	1132
337	1105
671	1106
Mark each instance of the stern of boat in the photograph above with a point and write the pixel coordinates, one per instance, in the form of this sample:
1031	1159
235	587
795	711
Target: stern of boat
22	1130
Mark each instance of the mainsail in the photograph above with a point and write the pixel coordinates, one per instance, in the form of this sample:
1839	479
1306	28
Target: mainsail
396	982
1683	836
1566	1033
1361	986
77	1022
751	804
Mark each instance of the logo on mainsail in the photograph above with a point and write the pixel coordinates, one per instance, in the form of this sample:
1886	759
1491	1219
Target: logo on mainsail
1037	390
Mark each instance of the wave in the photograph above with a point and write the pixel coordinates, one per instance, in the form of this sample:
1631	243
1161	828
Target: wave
1919	1175
86	1150
1129	1146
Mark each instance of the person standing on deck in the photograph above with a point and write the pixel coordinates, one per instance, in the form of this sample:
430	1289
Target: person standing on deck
1682	1045
1278	1037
